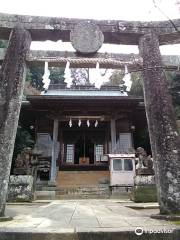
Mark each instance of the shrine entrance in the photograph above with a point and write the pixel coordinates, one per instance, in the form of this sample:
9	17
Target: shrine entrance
84	147
84	150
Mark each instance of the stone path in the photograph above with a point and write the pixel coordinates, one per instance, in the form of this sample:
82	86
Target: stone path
81	215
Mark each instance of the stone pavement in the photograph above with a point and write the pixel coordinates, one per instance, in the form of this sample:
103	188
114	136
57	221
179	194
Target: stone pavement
75	216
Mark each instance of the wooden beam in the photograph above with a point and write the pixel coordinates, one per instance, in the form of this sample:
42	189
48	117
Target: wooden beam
116	32
106	60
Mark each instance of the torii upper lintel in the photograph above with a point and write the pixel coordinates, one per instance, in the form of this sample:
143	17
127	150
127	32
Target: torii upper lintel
115	32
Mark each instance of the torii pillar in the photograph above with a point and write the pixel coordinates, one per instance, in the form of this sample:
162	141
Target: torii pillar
165	141
12	78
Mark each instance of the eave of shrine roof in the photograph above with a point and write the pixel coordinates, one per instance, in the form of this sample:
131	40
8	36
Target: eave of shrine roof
84	93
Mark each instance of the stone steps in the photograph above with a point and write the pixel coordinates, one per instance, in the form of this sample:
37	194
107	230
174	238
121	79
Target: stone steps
82	192
91	192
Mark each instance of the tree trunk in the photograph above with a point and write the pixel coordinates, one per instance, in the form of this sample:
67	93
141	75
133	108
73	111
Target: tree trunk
12	78
165	141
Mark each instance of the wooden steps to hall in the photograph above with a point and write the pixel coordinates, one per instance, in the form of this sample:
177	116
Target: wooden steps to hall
82	178
77	185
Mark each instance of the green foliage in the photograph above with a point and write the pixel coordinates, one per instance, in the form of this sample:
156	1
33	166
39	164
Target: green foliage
57	75
173	79
116	78
3	44
34	78
35	75
23	140
137	84
80	76
141	139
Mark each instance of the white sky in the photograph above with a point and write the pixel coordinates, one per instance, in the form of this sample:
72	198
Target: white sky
95	9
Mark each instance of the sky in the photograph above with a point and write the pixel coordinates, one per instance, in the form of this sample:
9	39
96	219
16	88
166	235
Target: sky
96	9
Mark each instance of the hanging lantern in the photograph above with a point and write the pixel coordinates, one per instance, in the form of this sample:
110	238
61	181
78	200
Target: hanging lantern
70	122
88	123
79	122
96	123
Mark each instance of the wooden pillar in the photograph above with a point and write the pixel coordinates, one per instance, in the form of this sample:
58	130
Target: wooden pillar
53	159
113	135
12	78
165	141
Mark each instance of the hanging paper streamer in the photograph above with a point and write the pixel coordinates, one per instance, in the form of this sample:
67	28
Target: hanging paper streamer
88	123
45	77
127	79
97	77
79	122
96	123
70	123
67	75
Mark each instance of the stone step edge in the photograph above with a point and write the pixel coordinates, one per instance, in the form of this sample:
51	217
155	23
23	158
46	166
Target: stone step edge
88	234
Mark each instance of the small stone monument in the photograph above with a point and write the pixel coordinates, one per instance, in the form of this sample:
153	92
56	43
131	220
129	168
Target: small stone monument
23	164
145	163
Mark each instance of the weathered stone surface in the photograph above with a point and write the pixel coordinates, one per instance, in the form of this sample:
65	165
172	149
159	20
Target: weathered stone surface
20	188
165	141
12	77
117	32
86	37
144	189
146	193
144	180
145	171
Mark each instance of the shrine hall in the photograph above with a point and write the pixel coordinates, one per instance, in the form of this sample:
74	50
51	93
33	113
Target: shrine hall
75	128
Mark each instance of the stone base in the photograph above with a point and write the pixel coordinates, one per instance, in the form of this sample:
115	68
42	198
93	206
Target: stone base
166	217
144	189
21	188
145	171
45	195
52	183
5	218
120	192
144	194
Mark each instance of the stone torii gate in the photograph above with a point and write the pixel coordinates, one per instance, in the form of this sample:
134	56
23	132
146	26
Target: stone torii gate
87	36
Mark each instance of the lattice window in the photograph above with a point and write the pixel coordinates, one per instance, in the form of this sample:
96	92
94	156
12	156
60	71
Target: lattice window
125	142
70	153
99	151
